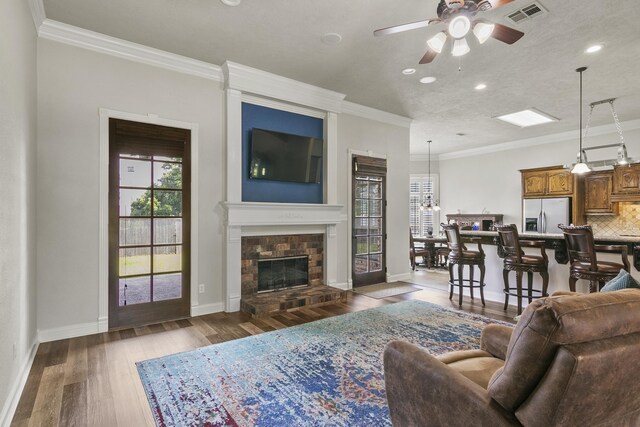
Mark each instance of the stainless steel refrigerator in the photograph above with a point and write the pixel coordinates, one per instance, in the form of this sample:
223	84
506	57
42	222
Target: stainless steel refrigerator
544	215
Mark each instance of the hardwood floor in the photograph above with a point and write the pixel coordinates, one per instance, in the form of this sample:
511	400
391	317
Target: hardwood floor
93	381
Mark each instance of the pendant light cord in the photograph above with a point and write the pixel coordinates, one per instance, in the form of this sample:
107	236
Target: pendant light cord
581	115
581	70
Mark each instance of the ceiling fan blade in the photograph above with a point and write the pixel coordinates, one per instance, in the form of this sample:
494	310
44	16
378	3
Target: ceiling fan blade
506	34
429	56
498	3
492	4
404	27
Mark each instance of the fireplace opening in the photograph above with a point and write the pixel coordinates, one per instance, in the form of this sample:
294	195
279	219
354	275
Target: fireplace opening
275	274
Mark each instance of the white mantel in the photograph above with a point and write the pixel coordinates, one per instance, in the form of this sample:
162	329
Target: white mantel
271	214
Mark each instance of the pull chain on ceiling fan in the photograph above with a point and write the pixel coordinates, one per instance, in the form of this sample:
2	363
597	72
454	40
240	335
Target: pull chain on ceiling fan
460	17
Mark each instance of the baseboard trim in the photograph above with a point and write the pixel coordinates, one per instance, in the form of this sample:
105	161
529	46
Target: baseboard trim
345	286
11	403
403	277
202	309
71	331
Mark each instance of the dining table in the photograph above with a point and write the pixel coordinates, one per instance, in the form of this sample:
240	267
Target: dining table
430	244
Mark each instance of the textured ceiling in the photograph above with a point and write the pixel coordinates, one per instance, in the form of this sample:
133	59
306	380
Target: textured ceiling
284	37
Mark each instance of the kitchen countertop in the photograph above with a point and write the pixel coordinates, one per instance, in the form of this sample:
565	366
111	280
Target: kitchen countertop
553	236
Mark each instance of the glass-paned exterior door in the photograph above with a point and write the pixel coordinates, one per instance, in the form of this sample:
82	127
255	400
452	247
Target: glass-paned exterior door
148	230
369	235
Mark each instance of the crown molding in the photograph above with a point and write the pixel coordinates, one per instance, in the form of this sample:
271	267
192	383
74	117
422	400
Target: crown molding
75	36
532	142
376	115
251	80
37	13
283	106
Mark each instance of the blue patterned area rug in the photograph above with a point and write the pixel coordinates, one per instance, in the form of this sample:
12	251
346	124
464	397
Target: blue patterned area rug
324	373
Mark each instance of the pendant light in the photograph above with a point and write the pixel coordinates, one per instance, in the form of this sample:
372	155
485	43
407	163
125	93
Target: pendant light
580	167
429	204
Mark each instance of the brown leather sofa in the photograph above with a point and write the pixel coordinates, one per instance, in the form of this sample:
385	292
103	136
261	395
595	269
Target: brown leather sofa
572	360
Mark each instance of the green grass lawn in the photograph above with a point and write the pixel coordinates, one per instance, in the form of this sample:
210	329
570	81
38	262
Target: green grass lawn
140	264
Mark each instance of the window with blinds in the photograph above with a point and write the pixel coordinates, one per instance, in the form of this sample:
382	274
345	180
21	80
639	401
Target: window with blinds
419	188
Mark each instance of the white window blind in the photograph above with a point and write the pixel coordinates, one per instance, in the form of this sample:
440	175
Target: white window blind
419	188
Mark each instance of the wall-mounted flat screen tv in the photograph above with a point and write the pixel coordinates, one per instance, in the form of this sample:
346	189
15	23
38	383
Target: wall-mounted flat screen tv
281	156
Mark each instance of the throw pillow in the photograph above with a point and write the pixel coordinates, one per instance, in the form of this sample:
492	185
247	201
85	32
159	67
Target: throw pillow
622	281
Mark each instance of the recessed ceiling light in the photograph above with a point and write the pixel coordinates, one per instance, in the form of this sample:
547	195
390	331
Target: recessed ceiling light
427	80
593	49
331	39
481	86
408	71
231	2
526	118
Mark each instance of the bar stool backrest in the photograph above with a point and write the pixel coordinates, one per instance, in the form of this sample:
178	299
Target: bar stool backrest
453	239
510	241
579	239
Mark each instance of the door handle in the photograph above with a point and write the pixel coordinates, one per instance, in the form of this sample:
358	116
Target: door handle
544	222
539	224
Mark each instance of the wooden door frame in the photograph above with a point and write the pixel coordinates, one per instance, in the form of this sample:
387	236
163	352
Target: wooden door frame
102	324
130	137
352	153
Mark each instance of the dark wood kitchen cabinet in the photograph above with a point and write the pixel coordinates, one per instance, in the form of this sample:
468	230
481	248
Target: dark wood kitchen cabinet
547	182
626	183
598	188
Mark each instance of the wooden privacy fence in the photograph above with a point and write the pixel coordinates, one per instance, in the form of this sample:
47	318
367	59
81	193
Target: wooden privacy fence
137	231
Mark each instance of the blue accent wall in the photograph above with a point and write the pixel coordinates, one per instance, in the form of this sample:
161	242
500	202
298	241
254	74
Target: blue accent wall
257	190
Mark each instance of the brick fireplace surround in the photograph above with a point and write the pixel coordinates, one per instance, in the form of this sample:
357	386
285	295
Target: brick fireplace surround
254	248
265	247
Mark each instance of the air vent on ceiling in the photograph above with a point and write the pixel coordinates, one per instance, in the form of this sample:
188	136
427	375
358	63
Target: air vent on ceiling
527	12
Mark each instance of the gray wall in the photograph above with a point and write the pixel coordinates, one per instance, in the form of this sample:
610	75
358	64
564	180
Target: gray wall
74	83
18	207
492	180
356	133
421	167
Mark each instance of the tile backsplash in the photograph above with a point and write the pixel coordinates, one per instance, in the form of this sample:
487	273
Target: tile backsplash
627	222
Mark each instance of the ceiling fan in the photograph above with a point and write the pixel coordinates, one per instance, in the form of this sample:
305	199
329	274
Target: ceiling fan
460	16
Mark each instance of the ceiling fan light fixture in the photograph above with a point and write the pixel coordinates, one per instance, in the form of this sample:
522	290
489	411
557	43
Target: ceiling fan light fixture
459	26
460	47
483	31
436	43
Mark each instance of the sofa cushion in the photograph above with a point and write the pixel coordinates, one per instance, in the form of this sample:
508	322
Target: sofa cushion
622	281
478	369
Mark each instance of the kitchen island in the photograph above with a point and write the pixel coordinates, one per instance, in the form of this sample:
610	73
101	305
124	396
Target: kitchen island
556	249
556	242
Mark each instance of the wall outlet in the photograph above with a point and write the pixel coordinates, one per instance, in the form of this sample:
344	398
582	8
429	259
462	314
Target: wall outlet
201	288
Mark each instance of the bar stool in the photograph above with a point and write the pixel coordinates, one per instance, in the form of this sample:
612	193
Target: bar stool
584	263
516	260
459	255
